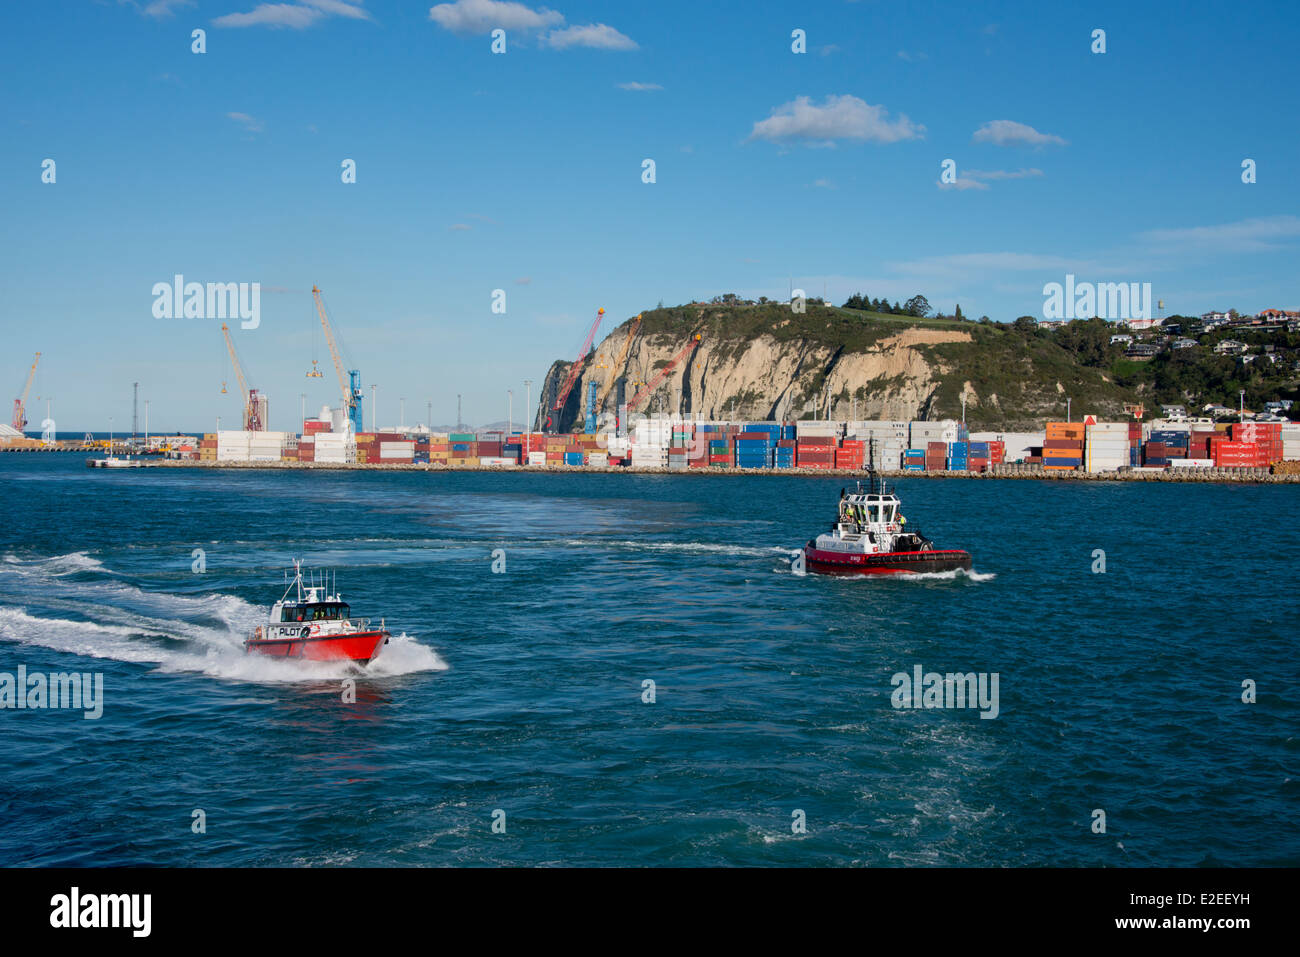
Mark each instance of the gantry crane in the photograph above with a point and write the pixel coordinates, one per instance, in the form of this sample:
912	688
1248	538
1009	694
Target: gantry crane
349	381
618	363
252	401
552	420
663	373
20	404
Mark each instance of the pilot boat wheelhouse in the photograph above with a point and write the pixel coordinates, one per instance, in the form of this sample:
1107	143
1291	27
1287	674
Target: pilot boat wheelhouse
316	625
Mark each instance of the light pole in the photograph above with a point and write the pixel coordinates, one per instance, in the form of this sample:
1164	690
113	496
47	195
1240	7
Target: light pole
1067	410
1241	407
510	410
146	423
429	423
374	408
528	400
303	396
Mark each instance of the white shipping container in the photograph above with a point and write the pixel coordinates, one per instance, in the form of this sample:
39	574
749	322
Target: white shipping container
1018	444
600	459
1191	463
944	430
818	427
536	458
336	458
497	460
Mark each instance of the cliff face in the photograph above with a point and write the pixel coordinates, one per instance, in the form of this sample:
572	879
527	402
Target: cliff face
763	365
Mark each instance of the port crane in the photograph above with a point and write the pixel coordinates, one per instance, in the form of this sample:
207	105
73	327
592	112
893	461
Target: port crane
349	381
552	420
20	404
618	363
663	373
252	405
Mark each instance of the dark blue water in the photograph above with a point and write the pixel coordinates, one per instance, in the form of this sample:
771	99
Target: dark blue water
522	692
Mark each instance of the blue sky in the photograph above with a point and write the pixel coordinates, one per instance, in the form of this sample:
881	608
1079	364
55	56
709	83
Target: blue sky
523	172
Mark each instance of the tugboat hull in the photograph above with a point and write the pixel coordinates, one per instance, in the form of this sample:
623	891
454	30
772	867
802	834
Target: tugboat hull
886	563
360	647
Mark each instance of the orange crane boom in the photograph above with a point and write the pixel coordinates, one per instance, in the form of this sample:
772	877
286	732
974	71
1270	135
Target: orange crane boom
563	395
663	373
20	404
618	363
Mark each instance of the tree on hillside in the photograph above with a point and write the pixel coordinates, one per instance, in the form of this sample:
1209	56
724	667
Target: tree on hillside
1088	339
1026	325
957	313
917	306
897	310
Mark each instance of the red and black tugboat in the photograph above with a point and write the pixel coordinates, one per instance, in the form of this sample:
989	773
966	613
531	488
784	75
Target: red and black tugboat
870	537
316	625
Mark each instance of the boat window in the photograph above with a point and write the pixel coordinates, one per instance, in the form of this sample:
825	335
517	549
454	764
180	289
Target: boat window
330	612
290	613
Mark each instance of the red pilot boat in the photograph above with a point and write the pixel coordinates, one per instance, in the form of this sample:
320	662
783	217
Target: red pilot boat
316	626
869	537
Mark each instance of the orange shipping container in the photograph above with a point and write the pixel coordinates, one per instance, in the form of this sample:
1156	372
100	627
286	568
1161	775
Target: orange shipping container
1066	430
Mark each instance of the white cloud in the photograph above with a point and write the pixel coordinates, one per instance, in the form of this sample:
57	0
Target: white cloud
840	117
165	8
978	178
822	183
249	123
639	86
1003	173
1259	234
1011	133
595	35
296	16
339	8
977	265
484	16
